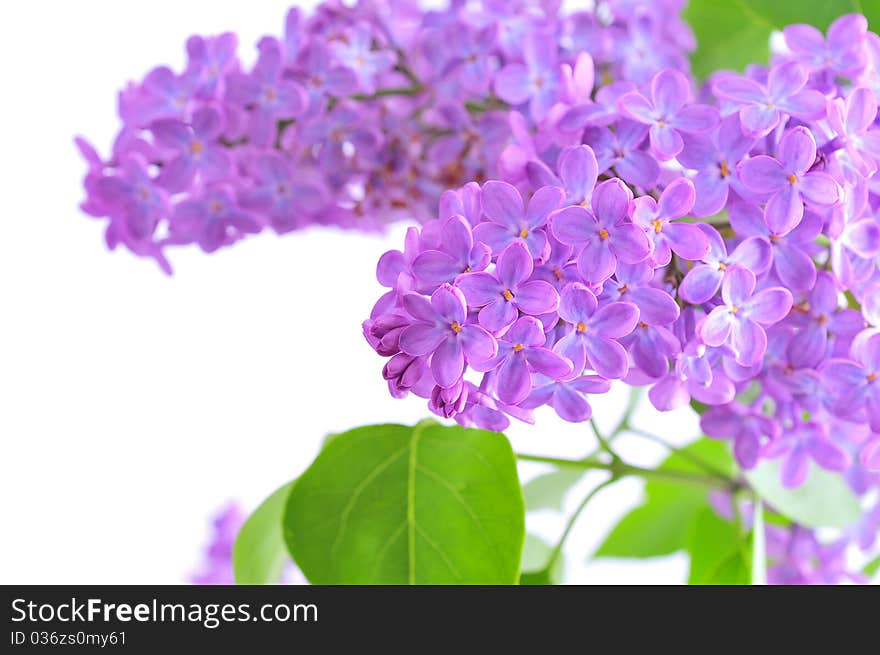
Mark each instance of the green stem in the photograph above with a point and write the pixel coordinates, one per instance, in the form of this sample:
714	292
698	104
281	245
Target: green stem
621	469
604	444
695	459
557	550
413	90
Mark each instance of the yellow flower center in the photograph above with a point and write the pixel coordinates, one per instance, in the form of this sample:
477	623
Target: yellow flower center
734	309
622	290
523	233
725	170
507	294
456	327
792	179
559	274
196	147
581	327
722	266
603	234
872	377
658	226
518	347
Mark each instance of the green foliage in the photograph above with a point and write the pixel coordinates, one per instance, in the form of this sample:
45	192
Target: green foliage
824	500
536	556
548	491
734	33
392	504
660	525
719	554
870	569
259	553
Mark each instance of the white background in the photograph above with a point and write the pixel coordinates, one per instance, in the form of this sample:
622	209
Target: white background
133	405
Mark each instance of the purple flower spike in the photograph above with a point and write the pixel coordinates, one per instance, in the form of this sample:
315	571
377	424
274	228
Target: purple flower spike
716	159
701	282
666	112
457	254
442	331
739	322
853	383
762	107
520	352
789	180
510	221
684	239
594	331
843	52
506	292
798	446
605	233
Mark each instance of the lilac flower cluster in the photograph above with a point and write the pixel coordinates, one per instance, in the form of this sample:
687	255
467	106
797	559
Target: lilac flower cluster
717	245
357	116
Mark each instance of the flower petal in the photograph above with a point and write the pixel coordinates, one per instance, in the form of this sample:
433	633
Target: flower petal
502	203
514	265
717	326
762	174
573	225
607	357
514	380
421	338
447	363
479	288
548	363
479	346
536	297
615	320
769	306
700	284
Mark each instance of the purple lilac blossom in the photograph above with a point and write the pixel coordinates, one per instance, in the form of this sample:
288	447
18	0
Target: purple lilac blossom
586	211
358	116
605	196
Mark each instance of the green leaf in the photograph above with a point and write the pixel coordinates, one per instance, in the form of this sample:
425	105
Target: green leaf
870	569
259	553
719	554
660	525
536	555
735	33
548	491
391	504
824	500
